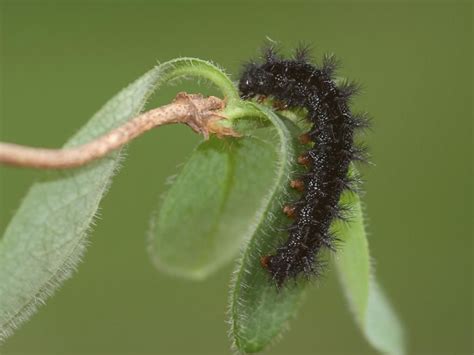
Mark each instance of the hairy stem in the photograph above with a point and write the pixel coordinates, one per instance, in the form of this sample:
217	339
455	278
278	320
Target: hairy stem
198	112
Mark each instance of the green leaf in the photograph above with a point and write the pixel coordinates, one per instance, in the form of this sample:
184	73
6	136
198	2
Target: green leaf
47	236
210	208
258	311
213	204
371	309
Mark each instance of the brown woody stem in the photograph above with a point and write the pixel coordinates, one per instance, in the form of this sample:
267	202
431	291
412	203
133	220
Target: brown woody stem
198	112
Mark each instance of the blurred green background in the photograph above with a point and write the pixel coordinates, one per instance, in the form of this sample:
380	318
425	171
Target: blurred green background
60	61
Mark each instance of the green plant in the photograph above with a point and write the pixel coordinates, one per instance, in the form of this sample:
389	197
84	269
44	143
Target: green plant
239	181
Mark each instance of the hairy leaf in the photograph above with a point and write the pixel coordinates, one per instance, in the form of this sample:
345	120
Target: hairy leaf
369	305
210	208
47	236
258	311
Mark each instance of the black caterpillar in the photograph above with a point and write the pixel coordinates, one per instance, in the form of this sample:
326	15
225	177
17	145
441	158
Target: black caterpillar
296	83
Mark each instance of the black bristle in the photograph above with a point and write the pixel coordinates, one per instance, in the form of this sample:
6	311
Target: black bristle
330	241
342	213
358	153
270	53
330	64
295	83
350	183
348	89
303	53
361	121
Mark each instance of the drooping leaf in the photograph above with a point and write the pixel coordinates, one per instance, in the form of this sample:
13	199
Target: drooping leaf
371	309
258	311
47	236
210	208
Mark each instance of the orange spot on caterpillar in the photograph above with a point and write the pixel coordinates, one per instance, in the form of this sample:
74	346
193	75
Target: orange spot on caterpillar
264	260
289	211
304	138
297	185
304	160
279	105
261	99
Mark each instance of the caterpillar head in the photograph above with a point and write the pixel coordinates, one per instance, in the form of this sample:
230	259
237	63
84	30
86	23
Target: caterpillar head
255	80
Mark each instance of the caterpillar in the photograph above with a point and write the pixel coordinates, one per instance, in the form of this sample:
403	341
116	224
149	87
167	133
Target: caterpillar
296	83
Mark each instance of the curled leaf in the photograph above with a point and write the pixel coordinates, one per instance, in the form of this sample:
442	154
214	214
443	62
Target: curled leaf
258	311
210	208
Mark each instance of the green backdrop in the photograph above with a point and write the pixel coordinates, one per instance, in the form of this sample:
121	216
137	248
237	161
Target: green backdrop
60	61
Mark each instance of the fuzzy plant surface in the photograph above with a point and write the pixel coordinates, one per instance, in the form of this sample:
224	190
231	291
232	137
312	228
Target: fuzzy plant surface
242	183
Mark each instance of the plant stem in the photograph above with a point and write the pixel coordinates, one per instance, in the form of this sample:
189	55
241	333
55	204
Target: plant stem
198	112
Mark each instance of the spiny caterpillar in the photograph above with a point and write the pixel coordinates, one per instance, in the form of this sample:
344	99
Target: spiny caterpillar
296	83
